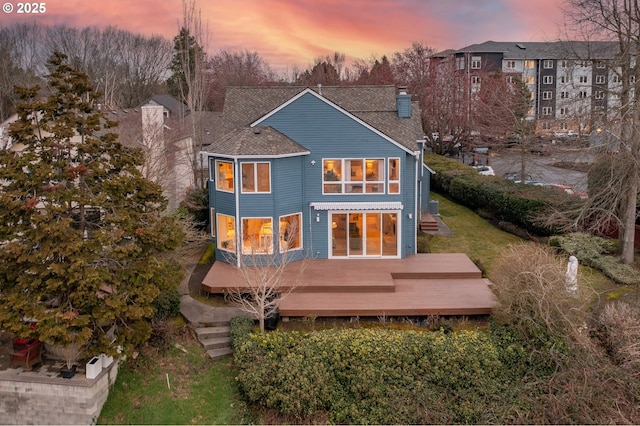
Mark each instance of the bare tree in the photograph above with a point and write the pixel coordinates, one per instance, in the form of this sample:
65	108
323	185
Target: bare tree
228	68
617	21
189	77
266	275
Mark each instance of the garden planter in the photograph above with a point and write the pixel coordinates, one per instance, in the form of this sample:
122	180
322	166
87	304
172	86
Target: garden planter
271	321
68	373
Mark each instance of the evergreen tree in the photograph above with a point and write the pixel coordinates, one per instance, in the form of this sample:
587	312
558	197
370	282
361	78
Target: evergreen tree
188	57
84	248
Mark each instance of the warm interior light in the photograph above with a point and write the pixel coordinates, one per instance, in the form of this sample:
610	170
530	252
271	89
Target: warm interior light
334	225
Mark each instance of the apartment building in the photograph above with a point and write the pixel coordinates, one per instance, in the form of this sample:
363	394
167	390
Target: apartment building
575	86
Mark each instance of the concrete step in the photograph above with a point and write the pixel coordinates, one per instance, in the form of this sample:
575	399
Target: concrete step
219	353
216	343
204	333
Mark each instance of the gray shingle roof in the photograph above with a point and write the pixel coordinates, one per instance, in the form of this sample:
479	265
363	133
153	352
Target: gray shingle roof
546	50
375	105
257	141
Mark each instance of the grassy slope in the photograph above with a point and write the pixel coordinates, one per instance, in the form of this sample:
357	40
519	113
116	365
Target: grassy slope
473	235
201	391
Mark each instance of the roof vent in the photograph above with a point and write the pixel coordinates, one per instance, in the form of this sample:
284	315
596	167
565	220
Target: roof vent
257	130
521	46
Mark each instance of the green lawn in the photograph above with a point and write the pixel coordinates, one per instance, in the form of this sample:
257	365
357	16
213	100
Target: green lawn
473	235
198	391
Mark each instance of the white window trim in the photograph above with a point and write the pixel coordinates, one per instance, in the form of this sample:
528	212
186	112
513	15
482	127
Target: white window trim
270	251
212	221
235	234
255	177
343	182
398	214
233	173
391	181
300	229
547	64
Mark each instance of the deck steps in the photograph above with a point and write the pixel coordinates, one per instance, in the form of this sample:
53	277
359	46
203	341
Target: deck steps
428	223
215	340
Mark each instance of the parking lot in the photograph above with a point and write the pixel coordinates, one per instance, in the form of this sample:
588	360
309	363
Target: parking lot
539	167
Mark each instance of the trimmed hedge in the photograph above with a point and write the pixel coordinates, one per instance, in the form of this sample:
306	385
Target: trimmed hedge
523	205
378	376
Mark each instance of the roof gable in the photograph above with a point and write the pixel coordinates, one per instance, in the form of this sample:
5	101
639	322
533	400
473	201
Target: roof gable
408	146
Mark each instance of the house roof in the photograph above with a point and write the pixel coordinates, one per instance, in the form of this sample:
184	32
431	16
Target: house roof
263	142
375	105
176	108
545	50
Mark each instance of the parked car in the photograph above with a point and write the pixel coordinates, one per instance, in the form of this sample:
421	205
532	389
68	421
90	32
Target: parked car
485	170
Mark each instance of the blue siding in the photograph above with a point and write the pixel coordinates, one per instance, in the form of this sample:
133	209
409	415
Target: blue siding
296	182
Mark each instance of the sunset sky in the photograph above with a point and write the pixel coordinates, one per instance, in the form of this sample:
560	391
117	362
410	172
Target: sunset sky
294	32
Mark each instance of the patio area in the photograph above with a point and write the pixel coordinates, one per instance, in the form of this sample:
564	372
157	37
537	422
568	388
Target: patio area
420	285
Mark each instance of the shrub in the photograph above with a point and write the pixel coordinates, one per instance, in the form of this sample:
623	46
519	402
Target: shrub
619	330
595	252
167	304
423	245
526	206
529	283
381	376
239	329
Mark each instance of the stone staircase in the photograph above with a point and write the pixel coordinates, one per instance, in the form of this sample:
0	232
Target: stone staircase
216	340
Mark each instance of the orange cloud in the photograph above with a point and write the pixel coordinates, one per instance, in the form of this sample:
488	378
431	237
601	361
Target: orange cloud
294	32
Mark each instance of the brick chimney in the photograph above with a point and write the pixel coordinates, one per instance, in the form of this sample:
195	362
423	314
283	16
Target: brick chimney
403	103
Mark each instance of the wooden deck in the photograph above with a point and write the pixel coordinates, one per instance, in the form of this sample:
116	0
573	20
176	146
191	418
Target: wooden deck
424	284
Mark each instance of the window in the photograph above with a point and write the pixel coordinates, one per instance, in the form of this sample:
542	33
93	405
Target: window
529	79
615	78
226	232
212	221
476	62
583	79
547	95
225	176
563	63
564	111
475	79
546	125
632	79
563	126
546	110
600	79
291	232
582	94
599	94
353	176
394	175
601	65
529	64
564	95
547	64
256	177
547	79
460	62
257	235
511	64
511	79
564	79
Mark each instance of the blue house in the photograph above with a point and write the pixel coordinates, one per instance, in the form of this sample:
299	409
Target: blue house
324	172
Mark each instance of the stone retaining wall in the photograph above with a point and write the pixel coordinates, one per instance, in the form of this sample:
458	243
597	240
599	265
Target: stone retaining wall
28	399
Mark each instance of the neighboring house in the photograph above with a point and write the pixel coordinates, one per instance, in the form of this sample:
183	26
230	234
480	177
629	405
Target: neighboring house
163	129
572	84
324	172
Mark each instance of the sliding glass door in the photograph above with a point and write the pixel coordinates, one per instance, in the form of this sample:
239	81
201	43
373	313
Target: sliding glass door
364	234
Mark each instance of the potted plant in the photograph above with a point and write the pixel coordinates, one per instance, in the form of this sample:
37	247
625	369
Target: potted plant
70	352
331	176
